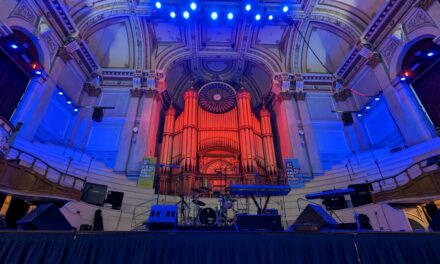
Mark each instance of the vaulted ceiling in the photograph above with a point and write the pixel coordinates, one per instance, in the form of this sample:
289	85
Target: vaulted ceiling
125	34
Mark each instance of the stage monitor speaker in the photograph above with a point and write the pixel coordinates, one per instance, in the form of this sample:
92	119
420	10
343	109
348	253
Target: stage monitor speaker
361	195
162	217
115	199
44	217
316	215
85	227
335	203
347	118
94	193
262	222
98	114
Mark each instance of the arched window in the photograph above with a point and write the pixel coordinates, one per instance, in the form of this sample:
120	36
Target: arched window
423	61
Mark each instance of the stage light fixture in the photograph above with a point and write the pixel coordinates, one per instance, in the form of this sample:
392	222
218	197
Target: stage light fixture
368	107
69	102
376	99
185	14
214	15
270	17
38	72
60	93
75	110
403	78
230	16
158	5
173	14
257	17
359	115
248	7
14	46
193	6
285	9
430	54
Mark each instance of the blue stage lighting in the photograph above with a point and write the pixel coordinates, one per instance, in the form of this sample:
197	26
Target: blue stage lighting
14	46
368	107
173	14
270	17
60	93
69	102
248	7
285	9
185	14
38	72
158	5
214	15
376	99
230	16
430	54
359	115
193	6
257	17
403	79
76	110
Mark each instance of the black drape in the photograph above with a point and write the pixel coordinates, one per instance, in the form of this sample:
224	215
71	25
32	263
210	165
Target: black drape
13	83
427	88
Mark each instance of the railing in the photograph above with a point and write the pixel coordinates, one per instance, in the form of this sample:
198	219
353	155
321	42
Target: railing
405	176
139	218
45	170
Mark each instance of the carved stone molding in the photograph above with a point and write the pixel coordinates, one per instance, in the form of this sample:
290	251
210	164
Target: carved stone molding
286	96
63	54
91	90
437	40
374	60
300	96
150	93
342	95
135	92
424	4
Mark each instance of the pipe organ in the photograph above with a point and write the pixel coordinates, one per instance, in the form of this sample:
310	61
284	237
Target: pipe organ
217	140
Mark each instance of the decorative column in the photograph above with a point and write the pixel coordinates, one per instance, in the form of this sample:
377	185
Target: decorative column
129	130
189	146
167	139
268	146
29	100
247	144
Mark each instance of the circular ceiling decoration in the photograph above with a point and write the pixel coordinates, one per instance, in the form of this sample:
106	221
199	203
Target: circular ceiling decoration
217	97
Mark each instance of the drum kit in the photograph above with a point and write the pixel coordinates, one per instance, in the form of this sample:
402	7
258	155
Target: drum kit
202	215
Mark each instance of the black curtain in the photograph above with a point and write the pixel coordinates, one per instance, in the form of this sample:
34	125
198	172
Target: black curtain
427	88
13	83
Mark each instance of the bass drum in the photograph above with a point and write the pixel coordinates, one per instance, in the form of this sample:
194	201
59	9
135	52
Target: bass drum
207	216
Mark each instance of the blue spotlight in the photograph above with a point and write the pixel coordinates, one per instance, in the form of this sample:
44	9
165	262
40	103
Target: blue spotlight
69	102
403	79
368	107
359	115
270	17
14	46
214	15
185	14
173	14
248	7
257	17
430	54
193	6
60	93
158	5
285	9
38	72
230	16
75	110
377	99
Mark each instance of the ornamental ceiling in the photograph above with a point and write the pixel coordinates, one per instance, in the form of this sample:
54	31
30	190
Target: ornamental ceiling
125	35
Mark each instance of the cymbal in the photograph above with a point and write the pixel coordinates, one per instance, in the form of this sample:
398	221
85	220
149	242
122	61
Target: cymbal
197	202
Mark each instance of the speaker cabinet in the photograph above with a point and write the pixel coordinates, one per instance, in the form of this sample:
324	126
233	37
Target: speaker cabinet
335	203
347	118
162	217
98	114
361	195
44	217
94	193
115	199
266	222
316	216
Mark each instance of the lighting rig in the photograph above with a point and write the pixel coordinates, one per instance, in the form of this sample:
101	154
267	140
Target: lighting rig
423	61
198	9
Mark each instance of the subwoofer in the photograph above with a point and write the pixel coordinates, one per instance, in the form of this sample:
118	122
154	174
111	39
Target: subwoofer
44	217
262	222
361	195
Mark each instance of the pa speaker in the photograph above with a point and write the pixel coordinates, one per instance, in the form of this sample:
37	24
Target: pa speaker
347	118
115	199
44	217
361	195
162	217
335	203
98	114
315	215
94	193
262	222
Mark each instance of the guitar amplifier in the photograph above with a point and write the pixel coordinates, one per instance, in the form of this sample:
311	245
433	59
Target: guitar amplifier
162	217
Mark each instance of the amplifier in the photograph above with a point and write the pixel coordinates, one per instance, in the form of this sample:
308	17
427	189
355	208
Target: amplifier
162	217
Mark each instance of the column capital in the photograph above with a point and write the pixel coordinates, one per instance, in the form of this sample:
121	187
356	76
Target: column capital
342	95
300	96
150	93
374	60
424	4
92	90
135	92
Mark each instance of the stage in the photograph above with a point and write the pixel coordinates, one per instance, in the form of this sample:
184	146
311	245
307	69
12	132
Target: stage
218	247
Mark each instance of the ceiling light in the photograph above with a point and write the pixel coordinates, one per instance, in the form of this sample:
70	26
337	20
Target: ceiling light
69	102
193	6
257	17
14	46
158	5
359	115
430	54
185	14
173	14
368	107
60	93
214	15
376	99
76	110
403	79
230	16
285	9
248	7
38	72
270	17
